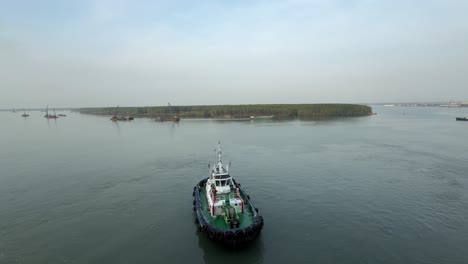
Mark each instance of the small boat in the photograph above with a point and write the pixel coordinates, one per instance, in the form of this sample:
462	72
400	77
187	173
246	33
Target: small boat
462	118
121	118
261	117
223	210
116	117
174	119
24	113
47	115
238	119
62	115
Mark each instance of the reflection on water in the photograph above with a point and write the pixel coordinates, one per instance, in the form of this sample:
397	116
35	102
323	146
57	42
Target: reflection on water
318	120
53	121
331	120
117	126
173	128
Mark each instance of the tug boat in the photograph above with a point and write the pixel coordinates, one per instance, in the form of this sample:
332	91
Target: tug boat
223	211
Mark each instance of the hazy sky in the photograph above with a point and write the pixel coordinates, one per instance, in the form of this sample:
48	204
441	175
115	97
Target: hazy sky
107	53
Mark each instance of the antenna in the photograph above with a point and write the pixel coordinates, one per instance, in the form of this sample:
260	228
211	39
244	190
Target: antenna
219	152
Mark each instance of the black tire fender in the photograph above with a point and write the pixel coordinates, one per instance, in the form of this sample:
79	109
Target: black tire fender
220	235
239	235
211	233
228	235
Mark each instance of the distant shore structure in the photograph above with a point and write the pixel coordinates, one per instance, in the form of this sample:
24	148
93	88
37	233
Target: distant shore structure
456	104
429	104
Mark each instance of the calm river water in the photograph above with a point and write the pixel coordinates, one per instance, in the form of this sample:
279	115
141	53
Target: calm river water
389	188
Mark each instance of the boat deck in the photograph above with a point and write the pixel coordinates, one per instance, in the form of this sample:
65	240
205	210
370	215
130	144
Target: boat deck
246	219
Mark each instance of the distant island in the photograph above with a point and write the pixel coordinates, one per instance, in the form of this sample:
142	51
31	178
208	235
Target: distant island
238	111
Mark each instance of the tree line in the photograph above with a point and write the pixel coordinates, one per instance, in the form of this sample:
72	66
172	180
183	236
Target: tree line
237	111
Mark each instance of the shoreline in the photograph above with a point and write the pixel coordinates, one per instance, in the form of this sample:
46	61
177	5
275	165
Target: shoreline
272	111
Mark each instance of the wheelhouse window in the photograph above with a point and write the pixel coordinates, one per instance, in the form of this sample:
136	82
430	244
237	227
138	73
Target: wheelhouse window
222	176
222	183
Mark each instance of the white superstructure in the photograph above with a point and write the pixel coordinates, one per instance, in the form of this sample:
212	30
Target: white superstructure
222	193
